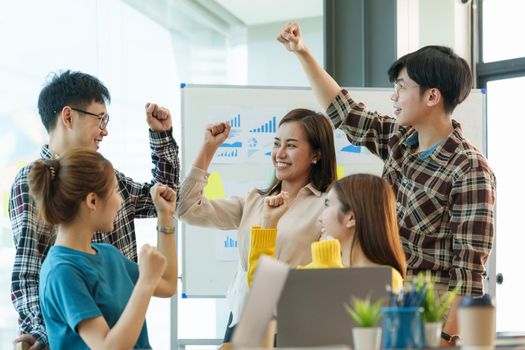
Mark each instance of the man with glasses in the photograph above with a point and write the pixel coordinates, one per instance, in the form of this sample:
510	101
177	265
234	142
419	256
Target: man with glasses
444	186
72	107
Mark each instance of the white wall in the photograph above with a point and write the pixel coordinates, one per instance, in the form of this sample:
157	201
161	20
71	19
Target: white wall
269	63
431	22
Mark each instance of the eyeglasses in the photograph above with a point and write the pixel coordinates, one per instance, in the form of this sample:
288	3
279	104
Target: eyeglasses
398	86
104	119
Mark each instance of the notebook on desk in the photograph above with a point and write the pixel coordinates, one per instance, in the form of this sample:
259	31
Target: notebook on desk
310	311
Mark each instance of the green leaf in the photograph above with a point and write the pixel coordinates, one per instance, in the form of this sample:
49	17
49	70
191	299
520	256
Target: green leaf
364	312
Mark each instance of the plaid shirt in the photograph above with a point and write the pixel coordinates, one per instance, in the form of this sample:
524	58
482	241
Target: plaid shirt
33	237
445	195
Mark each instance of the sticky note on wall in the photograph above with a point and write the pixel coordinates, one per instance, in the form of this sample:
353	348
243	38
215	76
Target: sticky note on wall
340	172
214	189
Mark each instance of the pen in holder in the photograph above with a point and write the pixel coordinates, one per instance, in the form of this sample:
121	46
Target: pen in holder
403	326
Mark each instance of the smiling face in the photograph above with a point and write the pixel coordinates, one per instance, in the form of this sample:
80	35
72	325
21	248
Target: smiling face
85	130
409	104
292	155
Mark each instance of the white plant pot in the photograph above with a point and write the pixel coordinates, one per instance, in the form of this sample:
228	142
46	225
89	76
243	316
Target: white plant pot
433	334
366	338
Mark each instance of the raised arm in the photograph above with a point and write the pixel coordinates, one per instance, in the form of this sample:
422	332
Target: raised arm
165	158
165	200
164	149
214	136
32	238
193	207
324	86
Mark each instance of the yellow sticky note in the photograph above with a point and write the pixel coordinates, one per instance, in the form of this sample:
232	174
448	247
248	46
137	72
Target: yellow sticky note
20	164
340	172
214	189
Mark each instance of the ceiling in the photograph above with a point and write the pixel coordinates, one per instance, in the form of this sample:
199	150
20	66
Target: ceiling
253	12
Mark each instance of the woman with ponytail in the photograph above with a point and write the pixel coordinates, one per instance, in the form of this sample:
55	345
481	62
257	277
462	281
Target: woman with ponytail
91	295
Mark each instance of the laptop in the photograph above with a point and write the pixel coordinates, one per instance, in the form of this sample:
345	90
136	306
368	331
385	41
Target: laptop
267	285
310	311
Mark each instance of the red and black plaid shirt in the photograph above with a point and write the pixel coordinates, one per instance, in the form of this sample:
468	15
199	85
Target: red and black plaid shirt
445	196
33	237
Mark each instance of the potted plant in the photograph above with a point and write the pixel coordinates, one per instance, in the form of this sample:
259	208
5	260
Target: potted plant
435	307
366	334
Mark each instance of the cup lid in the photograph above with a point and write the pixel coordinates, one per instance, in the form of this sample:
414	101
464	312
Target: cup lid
484	300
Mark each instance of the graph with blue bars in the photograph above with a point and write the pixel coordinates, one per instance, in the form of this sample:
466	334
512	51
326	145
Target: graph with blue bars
269	127
228	153
230	242
235	122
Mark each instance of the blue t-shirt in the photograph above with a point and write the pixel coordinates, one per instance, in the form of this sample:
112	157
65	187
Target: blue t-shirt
75	286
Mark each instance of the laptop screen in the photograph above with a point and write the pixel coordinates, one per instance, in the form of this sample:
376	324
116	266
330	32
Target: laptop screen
310	311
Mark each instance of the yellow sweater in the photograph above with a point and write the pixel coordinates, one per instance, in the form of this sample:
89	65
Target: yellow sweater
325	254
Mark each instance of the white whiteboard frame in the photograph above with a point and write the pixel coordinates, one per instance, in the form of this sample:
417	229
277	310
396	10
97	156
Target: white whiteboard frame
473	131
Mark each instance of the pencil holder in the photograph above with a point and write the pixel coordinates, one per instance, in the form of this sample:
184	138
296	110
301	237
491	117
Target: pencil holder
403	328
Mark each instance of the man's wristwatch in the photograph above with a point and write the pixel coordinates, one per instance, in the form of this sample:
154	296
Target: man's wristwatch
451	339
165	229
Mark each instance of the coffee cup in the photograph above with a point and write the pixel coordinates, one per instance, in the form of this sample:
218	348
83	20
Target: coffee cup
477	323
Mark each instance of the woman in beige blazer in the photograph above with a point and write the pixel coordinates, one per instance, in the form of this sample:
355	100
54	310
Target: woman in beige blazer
303	156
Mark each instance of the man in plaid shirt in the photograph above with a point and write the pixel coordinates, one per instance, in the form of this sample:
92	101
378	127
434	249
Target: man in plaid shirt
444	186
72	107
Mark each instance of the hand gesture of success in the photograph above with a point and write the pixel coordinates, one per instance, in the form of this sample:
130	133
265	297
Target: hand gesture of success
158	118
274	208
214	136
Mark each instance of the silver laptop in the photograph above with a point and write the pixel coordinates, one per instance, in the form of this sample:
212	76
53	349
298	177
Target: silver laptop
261	303
310	311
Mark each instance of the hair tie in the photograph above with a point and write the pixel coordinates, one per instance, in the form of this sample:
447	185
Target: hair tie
52	171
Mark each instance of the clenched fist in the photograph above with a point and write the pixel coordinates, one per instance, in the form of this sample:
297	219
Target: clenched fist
158	118
152	264
164	198
274	208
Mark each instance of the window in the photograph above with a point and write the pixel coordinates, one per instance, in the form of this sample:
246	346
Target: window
139	59
502	72
142	51
502	28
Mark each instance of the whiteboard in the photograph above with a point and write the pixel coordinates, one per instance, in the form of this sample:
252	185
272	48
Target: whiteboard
207	254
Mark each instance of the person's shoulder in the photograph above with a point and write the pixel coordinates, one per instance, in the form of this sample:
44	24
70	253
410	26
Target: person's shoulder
469	158
254	194
22	174
106	249
60	262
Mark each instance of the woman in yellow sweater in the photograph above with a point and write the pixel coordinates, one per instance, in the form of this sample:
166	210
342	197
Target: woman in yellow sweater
358	227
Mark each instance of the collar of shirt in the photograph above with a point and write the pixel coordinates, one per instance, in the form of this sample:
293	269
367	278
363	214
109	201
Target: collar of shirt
312	189
46	153
442	151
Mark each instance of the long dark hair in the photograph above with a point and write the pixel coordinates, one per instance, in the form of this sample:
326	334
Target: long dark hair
374	205
58	186
320	137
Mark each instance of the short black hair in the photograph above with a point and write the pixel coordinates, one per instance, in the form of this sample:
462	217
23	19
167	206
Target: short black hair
69	88
437	67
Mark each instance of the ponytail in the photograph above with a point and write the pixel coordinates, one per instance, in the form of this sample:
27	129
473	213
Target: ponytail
59	186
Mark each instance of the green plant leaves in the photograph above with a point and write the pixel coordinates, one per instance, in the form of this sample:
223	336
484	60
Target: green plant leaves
364	312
